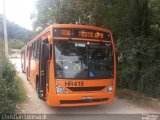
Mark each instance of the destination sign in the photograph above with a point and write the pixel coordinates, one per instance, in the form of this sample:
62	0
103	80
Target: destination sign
81	33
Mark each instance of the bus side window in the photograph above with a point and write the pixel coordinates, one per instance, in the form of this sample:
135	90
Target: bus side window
27	52
33	51
110	53
37	49
35	44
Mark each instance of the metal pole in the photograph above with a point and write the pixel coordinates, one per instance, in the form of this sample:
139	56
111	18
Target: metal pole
5	30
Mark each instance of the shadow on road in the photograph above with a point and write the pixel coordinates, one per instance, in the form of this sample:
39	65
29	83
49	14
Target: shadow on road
96	109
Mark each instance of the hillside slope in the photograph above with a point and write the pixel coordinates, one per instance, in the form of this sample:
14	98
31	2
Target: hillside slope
15	32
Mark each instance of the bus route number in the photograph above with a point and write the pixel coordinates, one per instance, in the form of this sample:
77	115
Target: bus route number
74	83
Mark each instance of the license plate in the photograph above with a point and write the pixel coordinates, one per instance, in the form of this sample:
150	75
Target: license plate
87	97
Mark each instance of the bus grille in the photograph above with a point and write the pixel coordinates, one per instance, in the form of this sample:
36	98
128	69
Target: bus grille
76	89
82	101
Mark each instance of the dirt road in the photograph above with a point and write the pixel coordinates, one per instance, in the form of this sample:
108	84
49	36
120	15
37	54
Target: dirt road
33	105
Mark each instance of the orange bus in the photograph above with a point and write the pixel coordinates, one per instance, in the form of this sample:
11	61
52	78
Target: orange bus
72	65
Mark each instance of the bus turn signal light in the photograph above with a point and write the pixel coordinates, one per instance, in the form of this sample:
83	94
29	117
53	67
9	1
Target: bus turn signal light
109	88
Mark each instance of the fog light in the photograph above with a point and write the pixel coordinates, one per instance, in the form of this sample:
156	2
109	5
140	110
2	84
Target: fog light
109	88
60	89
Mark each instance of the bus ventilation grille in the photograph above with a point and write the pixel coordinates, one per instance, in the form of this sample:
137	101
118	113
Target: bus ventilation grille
76	89
82	101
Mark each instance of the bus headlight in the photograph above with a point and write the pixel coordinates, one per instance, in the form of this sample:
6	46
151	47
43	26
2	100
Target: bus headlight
60	89
109	88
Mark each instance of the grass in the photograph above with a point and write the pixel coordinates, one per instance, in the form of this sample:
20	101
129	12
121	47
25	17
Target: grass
21	95
139	99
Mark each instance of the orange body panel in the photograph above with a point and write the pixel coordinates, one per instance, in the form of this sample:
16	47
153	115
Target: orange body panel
78	97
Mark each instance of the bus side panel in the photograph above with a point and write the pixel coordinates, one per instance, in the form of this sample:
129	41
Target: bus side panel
34	68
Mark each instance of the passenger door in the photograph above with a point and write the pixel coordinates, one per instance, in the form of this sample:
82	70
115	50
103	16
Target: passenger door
44	55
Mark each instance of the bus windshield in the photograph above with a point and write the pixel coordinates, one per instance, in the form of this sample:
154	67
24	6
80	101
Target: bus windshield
83	59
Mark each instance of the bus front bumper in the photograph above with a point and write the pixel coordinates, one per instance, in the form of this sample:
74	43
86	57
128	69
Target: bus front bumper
79	99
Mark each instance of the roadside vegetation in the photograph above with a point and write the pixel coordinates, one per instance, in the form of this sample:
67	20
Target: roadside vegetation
11	89
16	44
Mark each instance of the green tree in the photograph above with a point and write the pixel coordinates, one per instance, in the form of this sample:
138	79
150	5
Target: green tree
136	28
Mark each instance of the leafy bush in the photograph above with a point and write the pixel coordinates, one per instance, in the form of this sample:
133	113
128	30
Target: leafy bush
10	90
140	66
